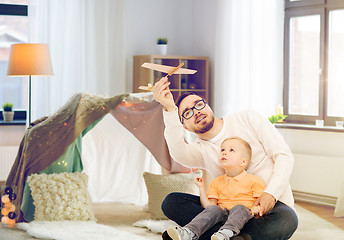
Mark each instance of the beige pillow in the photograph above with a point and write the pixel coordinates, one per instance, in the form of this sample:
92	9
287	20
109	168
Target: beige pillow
159	186
339	210
61	196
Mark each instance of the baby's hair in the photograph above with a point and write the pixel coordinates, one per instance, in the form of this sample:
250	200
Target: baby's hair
246	144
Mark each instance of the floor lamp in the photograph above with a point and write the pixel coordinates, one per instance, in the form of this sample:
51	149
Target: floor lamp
29	59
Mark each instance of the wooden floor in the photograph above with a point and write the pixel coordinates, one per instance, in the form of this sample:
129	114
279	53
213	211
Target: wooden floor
324	212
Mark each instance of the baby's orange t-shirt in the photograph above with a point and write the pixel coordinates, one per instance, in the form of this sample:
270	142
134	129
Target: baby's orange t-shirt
242	189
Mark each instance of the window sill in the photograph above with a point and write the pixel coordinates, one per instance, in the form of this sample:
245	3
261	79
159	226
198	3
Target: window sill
12	123
309	127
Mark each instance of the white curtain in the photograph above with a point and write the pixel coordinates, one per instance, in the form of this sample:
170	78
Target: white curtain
248	65
85	39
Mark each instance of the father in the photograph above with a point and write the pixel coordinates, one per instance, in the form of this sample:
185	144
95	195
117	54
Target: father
272	161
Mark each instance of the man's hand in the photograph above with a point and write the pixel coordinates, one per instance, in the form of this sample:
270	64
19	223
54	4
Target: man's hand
266	202
163	95
255	211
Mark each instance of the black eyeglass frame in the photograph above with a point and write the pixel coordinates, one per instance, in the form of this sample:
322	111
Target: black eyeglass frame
194	107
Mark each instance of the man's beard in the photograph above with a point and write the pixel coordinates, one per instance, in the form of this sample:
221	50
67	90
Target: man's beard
206	127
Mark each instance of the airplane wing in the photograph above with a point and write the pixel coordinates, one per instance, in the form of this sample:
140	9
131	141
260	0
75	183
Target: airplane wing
167	69
146	88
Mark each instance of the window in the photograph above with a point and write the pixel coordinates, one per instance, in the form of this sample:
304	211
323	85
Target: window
314	61
13	29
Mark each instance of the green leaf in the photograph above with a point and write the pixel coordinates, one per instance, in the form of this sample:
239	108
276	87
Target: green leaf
276	118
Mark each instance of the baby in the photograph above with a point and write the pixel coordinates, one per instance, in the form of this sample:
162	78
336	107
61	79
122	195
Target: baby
229	199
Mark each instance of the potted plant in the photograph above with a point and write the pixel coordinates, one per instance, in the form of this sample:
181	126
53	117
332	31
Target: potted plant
278	118
162	45
8	111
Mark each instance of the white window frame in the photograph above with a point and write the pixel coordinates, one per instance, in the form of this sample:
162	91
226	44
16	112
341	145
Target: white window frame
305	8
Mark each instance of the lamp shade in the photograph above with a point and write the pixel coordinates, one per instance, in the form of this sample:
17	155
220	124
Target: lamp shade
29	59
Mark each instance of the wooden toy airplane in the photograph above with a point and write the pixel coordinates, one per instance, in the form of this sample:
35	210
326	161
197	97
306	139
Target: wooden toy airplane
166	69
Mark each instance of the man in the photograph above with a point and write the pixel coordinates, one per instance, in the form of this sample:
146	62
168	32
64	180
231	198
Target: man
271	160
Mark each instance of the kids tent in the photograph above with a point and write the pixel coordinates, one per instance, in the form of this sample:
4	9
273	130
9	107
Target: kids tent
54	144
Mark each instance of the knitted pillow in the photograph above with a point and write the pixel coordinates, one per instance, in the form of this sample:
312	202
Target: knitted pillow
339	210
159	186
62	196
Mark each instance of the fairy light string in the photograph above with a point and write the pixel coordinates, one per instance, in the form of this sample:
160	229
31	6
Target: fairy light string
8	214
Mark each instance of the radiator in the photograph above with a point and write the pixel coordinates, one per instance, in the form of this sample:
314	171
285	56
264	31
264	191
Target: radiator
317	178
7	158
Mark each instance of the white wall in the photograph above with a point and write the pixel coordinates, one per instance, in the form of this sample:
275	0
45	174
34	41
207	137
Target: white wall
11	135
204	35
147	20
319	161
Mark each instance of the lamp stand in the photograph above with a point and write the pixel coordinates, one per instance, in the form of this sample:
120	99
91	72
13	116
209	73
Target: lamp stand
29	113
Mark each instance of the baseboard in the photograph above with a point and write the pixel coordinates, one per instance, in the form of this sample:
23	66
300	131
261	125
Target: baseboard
315	198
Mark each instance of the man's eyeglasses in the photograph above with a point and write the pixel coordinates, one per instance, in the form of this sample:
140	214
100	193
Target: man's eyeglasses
187	114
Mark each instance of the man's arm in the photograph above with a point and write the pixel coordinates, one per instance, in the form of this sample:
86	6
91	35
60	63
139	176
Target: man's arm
263	204
277	150
186	154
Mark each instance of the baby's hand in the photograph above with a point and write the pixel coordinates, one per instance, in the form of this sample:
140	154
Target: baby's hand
255	211
199	182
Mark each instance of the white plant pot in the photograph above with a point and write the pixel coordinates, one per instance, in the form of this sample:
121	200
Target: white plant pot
162	49
8	116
